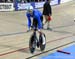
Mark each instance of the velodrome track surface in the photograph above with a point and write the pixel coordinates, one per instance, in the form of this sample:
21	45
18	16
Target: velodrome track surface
14	39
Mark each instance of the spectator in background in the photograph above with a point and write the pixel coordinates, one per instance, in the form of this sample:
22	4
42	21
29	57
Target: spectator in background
47	12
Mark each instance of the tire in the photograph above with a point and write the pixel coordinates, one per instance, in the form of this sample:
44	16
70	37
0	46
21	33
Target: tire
41	43
32	44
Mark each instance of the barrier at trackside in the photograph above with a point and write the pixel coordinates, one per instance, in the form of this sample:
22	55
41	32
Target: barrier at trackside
6	7
40	4
64	1
23	6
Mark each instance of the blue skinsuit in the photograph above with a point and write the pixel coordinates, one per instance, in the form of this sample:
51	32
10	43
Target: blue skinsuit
36	14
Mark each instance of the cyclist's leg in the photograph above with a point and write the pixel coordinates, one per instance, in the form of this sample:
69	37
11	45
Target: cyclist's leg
41	40
35	23
41	20
49	19
46	19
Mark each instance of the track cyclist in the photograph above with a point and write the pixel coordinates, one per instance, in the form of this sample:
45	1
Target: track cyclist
37	25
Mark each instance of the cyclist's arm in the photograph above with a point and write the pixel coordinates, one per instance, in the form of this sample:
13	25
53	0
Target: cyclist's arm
29	20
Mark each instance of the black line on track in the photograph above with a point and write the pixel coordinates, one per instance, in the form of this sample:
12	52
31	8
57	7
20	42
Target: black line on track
15	33
9	34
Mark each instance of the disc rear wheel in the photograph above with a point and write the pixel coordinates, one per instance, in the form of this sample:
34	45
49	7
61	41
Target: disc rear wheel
42	42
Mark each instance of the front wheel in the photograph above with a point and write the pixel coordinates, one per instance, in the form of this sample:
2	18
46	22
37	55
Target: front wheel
42	42
32	44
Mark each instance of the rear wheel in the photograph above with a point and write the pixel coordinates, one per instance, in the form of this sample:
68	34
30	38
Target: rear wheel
42	42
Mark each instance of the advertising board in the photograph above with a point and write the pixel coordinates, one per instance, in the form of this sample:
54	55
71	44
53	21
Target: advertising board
6	7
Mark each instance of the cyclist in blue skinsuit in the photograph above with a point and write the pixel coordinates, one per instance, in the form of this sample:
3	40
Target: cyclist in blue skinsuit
37	22
37	18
